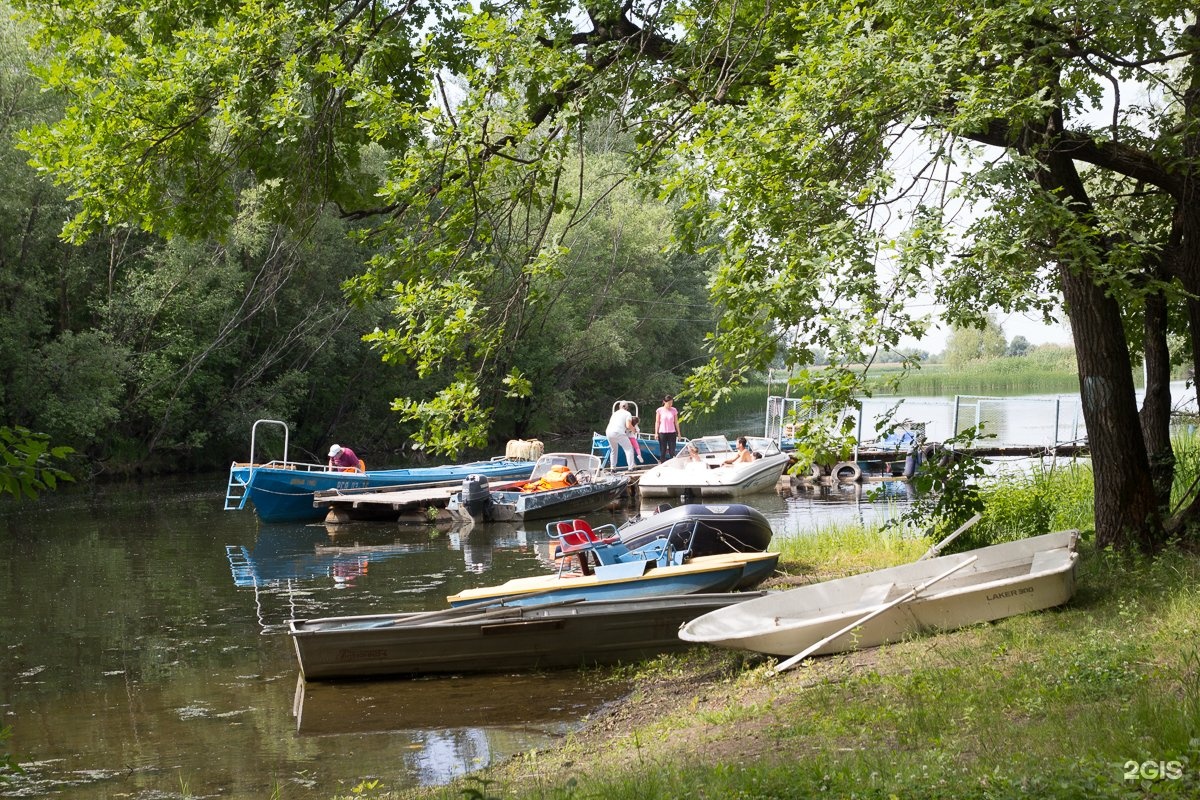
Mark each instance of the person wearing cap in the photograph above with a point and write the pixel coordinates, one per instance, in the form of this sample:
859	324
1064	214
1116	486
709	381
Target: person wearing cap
343	457
666	428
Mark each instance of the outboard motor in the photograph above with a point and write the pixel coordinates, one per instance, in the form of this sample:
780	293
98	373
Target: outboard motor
476	498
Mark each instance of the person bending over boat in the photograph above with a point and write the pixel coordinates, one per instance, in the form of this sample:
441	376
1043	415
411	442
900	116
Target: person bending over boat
743	454
620	424
344	458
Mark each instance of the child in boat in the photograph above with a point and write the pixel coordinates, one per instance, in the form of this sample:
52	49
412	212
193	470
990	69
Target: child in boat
633	439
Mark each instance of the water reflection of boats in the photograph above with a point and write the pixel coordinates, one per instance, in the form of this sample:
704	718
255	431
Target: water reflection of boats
437	730
301	552
498	638
548	701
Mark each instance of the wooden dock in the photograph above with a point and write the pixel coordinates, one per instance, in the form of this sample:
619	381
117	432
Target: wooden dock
425	504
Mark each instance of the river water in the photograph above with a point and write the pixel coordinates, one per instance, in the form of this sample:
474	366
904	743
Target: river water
144	653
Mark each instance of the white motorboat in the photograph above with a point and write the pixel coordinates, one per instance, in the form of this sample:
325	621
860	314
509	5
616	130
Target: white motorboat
702	472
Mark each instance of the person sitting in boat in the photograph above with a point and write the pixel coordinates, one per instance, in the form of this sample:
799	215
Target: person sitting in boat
345	459
743	454
691	453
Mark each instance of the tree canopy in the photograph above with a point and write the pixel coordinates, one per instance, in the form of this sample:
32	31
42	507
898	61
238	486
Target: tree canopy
837	161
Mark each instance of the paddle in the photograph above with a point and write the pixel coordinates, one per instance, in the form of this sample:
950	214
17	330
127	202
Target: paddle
909	595
937	548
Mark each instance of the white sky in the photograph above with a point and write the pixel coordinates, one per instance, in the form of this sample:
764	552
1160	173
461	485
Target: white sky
1028	325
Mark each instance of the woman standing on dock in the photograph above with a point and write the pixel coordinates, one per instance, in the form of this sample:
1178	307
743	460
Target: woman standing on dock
666	427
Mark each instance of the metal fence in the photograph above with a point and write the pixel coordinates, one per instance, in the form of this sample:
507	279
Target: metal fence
1004	421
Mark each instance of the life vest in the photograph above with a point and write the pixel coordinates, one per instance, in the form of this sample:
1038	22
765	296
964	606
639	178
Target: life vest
558	477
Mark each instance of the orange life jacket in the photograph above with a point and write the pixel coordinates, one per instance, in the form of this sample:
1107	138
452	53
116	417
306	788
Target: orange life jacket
557	478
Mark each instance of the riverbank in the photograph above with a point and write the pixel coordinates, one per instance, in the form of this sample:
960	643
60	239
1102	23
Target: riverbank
1100	698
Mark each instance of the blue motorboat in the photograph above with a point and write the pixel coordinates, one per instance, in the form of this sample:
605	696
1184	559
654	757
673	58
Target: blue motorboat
282	490
596	565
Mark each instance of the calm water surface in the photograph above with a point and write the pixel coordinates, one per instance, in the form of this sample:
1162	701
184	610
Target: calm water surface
144	653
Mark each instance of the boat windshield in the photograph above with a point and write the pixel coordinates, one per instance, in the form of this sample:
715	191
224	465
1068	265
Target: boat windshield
761	444
711	444
575	462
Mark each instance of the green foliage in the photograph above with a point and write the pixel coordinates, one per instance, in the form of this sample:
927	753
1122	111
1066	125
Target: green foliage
967	344
947	485
1028	503
29	466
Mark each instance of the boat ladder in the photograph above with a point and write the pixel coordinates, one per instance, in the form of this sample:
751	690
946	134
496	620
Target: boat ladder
236	492
238	489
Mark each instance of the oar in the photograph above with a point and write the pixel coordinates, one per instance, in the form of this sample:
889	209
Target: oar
937	548
909	595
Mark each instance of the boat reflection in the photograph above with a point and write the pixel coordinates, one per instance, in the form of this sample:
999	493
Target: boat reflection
549	701
447	727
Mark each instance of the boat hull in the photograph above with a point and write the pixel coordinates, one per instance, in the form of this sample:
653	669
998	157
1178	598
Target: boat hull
1005	580
284	493
498	639
724	528
696	479
516	506
716	573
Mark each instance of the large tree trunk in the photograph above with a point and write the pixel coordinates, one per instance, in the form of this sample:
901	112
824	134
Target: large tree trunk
1126	508
1127	514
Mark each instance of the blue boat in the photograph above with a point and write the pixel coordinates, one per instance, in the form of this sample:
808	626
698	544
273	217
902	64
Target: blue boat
608	570
282	490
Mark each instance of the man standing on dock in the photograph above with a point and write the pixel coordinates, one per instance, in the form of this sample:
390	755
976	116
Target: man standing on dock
666	427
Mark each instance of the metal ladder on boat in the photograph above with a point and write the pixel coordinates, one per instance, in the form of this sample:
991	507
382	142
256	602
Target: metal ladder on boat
237	491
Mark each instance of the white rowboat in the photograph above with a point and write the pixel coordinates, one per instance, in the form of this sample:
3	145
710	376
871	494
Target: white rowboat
1001	581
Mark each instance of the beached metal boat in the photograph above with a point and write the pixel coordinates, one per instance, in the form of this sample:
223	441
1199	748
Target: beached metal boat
282	490
560	485
499	638
703	474
889	605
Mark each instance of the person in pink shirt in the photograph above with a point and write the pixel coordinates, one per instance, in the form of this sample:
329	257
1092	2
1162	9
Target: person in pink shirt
343	457
666	427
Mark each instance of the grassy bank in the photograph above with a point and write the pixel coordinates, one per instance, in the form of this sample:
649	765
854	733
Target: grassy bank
1100	698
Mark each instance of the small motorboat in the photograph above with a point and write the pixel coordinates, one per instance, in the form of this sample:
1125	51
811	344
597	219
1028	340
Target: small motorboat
700	470
710	528
495	637
561	484
888	605
283	490
608	569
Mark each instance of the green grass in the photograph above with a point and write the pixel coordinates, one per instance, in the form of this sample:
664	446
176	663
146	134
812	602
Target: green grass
1001	376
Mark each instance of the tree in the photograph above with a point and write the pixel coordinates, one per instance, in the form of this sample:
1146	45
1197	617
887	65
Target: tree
820	149
1019	346
968	343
